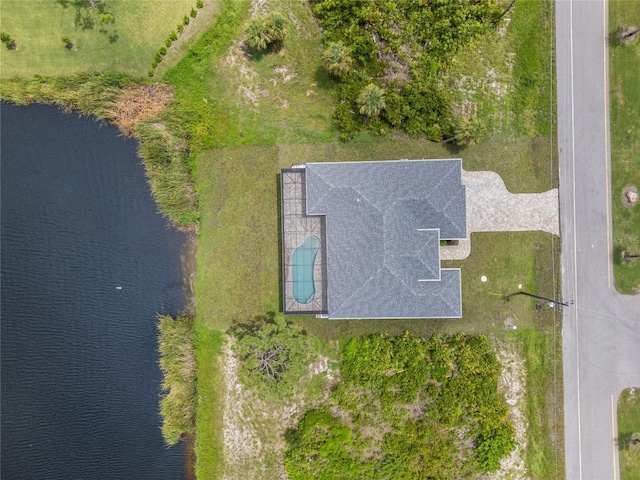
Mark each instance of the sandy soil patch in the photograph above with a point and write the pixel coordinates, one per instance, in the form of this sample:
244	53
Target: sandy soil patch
512	384
253	429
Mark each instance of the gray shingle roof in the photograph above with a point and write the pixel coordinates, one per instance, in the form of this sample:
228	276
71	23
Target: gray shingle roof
384	222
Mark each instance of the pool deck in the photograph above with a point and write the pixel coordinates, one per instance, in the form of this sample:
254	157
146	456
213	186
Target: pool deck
296	228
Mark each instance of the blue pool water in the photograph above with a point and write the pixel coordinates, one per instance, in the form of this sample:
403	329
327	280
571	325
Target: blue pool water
302	263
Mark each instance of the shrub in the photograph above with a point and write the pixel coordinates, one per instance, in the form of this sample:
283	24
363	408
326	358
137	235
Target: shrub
267	32
68	44
193	12
168	42
336	59
150	72
199	4
158	58
185	20
400	48
163	51
172	36
180	28
9	42
406	407
493	445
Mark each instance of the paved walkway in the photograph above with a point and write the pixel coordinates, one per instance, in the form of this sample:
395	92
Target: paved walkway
492	208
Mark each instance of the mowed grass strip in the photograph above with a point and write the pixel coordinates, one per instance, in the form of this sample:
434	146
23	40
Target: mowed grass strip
209	446
238	276
128	44
542	353
624	61
629	433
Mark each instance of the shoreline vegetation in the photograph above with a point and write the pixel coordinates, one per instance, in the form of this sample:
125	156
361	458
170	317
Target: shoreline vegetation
135	106
176	346
213	137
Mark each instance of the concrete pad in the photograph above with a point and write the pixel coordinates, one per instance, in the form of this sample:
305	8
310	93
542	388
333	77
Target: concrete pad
492	208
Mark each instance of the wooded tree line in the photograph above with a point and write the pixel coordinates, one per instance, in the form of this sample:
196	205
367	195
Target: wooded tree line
387	56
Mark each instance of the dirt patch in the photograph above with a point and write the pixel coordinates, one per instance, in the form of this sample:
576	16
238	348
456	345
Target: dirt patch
512	384
138	103
628	34
630	196
243	75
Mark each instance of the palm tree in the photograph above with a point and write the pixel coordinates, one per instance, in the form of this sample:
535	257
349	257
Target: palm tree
371	100
336	59
469	131
277	25
258	34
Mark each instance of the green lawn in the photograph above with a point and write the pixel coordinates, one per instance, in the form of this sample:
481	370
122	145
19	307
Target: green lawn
629	433
624	62
127	45
542	352
208	442
239	242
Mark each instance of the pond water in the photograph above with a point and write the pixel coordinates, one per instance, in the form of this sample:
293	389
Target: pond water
86	263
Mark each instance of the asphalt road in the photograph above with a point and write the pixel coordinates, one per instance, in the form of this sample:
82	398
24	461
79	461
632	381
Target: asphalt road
601	329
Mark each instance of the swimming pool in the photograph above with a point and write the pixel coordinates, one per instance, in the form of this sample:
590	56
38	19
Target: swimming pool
302	266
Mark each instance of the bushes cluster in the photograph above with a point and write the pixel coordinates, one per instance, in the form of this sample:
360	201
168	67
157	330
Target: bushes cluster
401	47
8	42
173	36
406	407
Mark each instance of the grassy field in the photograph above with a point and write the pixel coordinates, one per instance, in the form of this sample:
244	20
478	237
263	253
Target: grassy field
629	434
128	44
624	61
507	80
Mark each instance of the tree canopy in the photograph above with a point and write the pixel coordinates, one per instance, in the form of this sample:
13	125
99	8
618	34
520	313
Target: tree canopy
401	46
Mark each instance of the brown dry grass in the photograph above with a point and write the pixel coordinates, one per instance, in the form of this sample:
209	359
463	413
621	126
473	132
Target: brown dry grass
138	103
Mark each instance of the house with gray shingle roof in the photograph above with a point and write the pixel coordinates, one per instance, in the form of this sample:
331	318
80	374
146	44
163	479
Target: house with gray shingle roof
362	239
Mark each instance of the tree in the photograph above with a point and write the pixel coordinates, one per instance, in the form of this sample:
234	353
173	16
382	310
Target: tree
336	59
275	355
469	130
258	34
265	32
371	100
